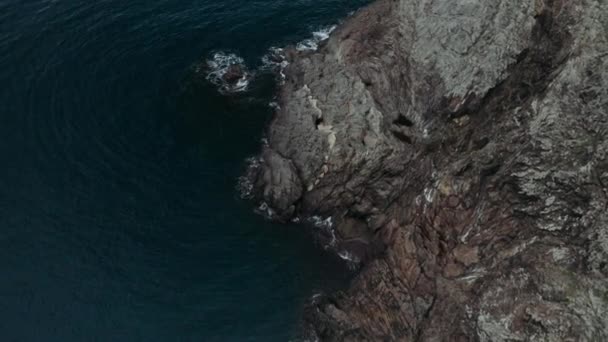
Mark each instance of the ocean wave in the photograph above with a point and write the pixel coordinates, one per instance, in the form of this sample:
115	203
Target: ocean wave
245	184
228	72
326	225
319	222
274	58
312	44
275	61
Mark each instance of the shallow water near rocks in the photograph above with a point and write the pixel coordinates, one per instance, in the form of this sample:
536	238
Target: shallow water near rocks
119	219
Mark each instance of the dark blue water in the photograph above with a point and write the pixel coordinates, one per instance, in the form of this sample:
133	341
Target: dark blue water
119	219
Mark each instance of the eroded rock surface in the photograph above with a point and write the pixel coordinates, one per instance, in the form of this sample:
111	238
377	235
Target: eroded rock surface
460	147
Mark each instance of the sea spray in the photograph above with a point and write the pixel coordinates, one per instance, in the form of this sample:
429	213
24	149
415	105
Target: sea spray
219	69
312	44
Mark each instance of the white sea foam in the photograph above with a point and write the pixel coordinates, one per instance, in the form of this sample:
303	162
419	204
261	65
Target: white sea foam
352	261
274	60
327	225
312	44
320	222
324	32
265	210
264	142
346	255
245	182
245	185
219	64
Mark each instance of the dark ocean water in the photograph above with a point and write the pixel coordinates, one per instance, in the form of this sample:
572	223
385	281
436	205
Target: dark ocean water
119	219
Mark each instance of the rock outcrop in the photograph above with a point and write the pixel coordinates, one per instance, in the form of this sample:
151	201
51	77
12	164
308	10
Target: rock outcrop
461	150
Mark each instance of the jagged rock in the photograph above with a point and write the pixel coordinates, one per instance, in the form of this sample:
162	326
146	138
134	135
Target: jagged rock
467	139
233	74
280	182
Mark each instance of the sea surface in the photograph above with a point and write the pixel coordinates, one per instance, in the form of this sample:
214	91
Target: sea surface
119	161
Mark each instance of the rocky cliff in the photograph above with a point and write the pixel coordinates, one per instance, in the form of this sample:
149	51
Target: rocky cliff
460	148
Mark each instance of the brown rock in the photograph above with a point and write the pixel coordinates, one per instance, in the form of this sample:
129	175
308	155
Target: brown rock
234	73
466	255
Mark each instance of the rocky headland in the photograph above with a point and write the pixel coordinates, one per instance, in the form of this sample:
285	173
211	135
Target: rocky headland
460	149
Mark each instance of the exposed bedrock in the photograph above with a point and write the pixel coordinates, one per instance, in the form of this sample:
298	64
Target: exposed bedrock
463	144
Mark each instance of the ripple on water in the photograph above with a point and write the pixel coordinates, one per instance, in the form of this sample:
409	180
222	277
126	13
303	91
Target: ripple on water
114	226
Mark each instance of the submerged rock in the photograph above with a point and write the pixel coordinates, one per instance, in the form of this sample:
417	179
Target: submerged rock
460	147
228	72
233	74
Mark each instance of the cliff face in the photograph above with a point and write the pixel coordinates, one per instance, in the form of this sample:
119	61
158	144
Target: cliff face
460	147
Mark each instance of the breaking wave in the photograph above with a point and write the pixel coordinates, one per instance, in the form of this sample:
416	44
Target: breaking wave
312	44
325	226
274	58
245	185
275	61
228	72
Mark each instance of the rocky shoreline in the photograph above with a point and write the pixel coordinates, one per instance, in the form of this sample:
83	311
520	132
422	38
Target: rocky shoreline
459	148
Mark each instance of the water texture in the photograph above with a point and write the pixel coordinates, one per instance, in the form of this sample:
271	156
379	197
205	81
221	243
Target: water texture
119	219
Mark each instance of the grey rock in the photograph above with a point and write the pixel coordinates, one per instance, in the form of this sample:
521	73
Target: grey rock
279	182
464	144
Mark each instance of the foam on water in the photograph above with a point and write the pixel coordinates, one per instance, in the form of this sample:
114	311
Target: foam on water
265	210
347	256
126	217
275	58
219	65
274	61
327	226
319	222
312	44
351	261
245	182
